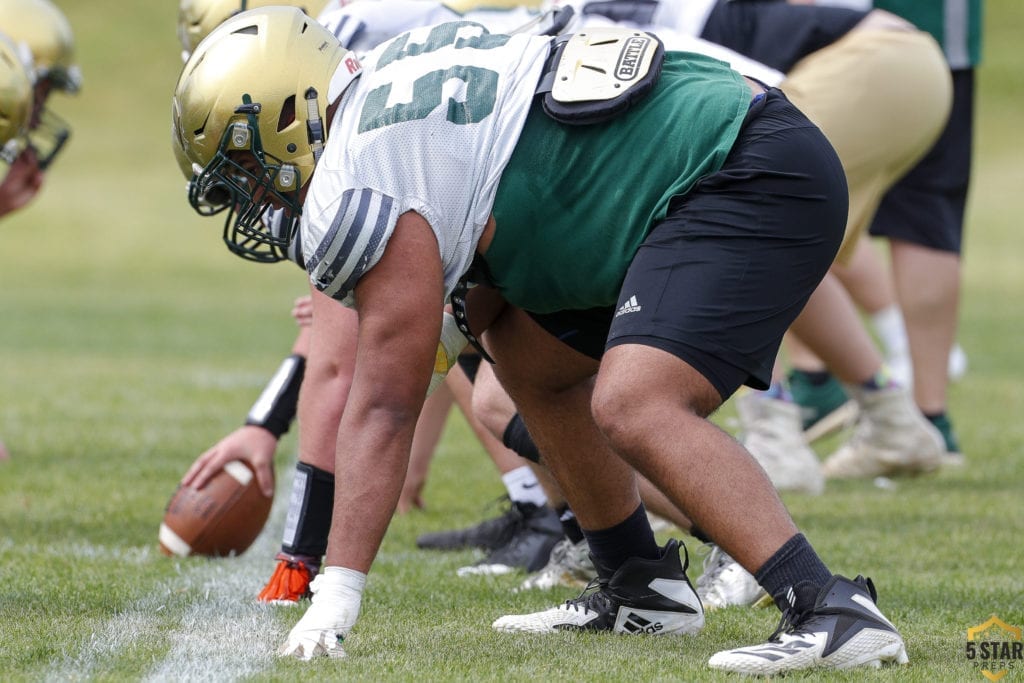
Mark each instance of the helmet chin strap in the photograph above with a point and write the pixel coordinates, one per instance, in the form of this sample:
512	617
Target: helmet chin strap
348	70
314	125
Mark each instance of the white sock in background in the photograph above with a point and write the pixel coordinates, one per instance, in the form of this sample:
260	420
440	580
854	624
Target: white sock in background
891	331
523	487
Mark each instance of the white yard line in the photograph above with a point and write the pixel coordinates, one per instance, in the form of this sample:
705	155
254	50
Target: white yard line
223	634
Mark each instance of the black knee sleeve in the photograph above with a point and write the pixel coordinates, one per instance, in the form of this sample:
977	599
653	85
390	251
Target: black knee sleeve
309	512
519	440
469	361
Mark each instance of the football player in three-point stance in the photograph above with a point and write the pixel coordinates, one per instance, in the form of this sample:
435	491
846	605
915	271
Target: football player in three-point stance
309	506
578	205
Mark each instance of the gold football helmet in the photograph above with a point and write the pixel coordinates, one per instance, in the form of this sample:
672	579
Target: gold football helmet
15	94
41	26
248	120
197	18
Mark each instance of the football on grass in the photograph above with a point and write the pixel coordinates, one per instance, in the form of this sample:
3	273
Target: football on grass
222	518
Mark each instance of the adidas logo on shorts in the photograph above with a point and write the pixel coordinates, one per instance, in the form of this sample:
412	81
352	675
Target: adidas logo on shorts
631	306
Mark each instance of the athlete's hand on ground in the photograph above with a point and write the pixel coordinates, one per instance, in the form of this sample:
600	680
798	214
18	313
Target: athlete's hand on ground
333	612
249	443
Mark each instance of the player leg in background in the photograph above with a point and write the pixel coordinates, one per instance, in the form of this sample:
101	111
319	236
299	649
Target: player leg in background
522	537
824	404
885	70
922	292
930	315
923	218
923	214
868	279
569	563
429	429
891	436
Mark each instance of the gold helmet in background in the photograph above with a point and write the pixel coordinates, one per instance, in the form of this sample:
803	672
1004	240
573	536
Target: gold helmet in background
198	18
249	120
39	28
15	93
43	28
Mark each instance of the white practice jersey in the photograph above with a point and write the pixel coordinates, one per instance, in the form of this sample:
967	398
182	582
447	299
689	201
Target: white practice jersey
428	127
362	26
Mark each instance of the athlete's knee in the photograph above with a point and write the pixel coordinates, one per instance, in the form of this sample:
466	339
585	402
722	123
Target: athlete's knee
492	407
619	409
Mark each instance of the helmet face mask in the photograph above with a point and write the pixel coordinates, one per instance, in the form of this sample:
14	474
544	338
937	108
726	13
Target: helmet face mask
48	137
247	182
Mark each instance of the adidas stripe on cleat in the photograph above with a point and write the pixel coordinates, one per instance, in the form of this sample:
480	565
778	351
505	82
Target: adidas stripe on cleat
835	627
643	596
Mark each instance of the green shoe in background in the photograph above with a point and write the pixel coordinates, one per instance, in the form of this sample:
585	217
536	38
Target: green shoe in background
953	455
824	405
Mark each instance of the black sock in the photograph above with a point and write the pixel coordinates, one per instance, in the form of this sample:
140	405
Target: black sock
632	537
794	562
699	534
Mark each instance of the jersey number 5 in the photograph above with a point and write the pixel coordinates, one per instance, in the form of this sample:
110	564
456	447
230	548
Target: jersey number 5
478	94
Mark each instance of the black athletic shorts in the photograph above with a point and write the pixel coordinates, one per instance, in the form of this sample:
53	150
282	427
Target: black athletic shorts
926	206
719	281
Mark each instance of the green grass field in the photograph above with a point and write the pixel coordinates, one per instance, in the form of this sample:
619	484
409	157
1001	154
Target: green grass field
130	340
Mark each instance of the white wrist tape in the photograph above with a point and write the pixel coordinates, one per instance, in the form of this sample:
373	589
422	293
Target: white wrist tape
337	596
